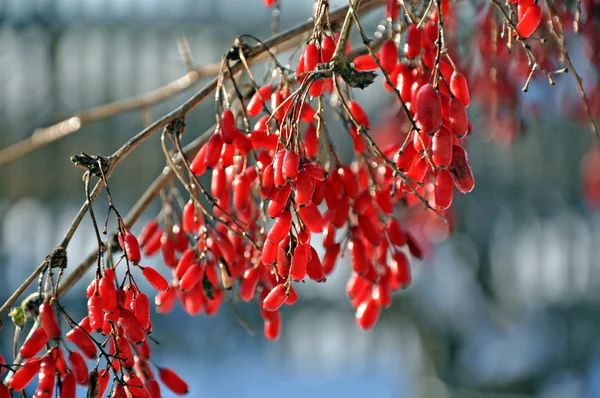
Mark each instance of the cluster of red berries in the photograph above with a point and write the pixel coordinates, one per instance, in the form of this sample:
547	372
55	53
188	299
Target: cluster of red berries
282	206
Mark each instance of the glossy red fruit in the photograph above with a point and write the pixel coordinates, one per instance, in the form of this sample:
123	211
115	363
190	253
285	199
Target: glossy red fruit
197	165
272	327
365	63
83	342
312	218
249	284
135	386
443	190
192	220
529	21
359	113
290	165
367	313
311	57
34	343
459	88
125	352
389	55
441	148
47	376
360	261
241	192
214	148
79	368
95	312
460	169
131	326
49	321
132	248
406	158
299	262
459	121
275	298
428	109
304	189
24	374
256	102
327	48
141	308
155	279
165	301
412	48
280	228
172	381
68	386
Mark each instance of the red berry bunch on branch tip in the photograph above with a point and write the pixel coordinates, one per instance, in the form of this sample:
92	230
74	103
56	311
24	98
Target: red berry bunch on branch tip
268	202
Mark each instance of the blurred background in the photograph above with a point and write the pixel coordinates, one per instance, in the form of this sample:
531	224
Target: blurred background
507	306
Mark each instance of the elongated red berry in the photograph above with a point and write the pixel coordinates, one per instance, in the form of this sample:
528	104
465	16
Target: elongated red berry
68	386
304	189
389	55
460	169
290	165
241	192
367	313
327	48
34	343
406	159
108	294
49	321
213	150
412	48
24	374
95	312
443	190
155	279
281	227
360	261
459	88
141	307
131	326
192	220
459	121
441	147
228	125
311	57
428	109
359	113
275	298
132	248
134	387
85	344
299	262
530	21
79	368
172	381
256	102
364	63
312	218
165	301
47	377
249	284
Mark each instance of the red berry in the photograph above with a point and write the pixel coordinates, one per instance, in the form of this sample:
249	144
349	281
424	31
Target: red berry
47	376
172	381
530	20
24	375
155	279
141	307
299	262
68	386
213	150
459	87
389	55
359	113
311	57
460	169
34	343
85	344
132	248
49	321
443	190
275	298
428	109
412	48
79	368
367	313
441	147
327	48
95	312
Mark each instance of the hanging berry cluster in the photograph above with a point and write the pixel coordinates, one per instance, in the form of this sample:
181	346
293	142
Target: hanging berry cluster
268	203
